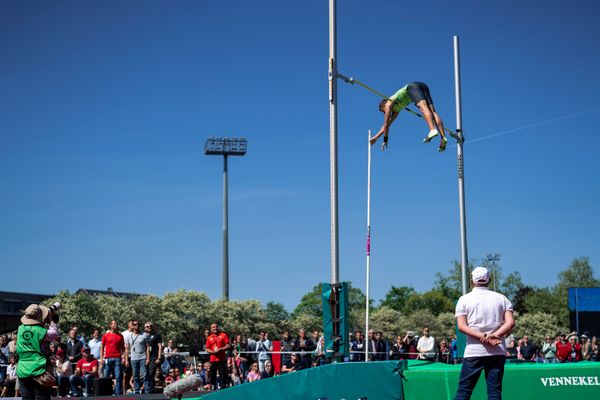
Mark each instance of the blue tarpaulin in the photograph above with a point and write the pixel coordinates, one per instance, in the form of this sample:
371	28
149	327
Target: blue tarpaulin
584	299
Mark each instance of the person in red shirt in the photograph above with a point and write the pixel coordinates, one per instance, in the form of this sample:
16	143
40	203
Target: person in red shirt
562	349
111	351
85	372
217	344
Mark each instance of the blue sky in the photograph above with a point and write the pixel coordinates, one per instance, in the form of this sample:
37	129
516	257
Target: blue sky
105	107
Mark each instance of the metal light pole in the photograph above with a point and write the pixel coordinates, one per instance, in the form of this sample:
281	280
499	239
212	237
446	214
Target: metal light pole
493	259
461	168
335	266
368	283
225	147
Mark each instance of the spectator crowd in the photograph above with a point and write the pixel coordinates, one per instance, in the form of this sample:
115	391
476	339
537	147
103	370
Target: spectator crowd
136	360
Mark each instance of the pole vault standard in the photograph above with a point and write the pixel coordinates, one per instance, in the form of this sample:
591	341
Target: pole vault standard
368	244
335	265
461	168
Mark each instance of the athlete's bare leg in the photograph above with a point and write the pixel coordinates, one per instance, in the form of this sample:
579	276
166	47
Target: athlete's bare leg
427	114
438	121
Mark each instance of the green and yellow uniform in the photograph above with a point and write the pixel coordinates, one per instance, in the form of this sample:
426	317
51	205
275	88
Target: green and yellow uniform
401	99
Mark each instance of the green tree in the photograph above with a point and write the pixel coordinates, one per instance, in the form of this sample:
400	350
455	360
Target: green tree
451	284
441	326
77	310
242	317
417	321
113	308
434	301
511	285
578	274
307	322
397	297
310	304
278	316
183	316
386	320
547	301
446	325
537	326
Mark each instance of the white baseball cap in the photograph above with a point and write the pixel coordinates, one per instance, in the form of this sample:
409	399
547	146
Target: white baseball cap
480	275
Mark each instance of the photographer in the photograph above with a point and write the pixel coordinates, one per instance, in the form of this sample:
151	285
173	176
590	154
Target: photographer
35	372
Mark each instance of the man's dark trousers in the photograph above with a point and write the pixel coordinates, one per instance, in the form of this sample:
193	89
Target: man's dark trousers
471	370
222	368
151	373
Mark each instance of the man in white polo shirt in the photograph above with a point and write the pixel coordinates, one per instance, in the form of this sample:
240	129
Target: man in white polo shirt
485	317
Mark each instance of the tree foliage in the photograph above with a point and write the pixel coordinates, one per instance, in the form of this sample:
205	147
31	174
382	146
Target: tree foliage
385	319
537	326
184	315
578	274
397	297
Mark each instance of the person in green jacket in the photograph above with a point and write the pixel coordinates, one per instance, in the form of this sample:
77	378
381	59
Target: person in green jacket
32	340
418	93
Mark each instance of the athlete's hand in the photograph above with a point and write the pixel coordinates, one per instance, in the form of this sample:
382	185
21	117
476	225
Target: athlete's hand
373	140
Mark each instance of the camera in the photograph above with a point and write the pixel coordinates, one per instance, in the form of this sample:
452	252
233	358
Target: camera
54	311
55	307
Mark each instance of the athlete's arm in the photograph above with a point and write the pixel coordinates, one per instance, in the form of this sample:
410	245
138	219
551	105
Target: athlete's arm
389	117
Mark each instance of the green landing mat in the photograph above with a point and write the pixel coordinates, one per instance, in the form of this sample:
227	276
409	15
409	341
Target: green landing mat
424	381
573	381
351	381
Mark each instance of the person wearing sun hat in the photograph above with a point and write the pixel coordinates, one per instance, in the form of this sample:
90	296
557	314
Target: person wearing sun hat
32	339
485	317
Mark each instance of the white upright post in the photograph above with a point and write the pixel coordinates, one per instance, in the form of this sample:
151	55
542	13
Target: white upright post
368	284
335	267
461	168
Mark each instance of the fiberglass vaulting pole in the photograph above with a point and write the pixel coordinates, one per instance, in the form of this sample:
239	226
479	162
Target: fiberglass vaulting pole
335	266
368	283
461	169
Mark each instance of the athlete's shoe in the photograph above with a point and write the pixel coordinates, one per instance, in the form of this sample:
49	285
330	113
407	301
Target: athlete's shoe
432	133
443	144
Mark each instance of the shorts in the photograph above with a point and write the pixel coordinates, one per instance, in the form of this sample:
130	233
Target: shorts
418	91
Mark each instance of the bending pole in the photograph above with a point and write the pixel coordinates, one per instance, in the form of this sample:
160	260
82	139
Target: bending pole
461	168
368	284
335	266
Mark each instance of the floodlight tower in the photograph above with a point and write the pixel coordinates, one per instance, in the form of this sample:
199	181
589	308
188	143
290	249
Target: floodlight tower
493	259
225	147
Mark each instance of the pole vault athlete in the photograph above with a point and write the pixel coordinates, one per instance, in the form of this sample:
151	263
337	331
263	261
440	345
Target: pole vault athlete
418	93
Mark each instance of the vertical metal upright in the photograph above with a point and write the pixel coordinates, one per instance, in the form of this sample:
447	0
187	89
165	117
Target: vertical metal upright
461	168
335	267
225	231
225	147
576	311
368	282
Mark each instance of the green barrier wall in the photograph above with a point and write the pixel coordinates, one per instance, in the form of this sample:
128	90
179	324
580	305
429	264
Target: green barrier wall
521	381
351	381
